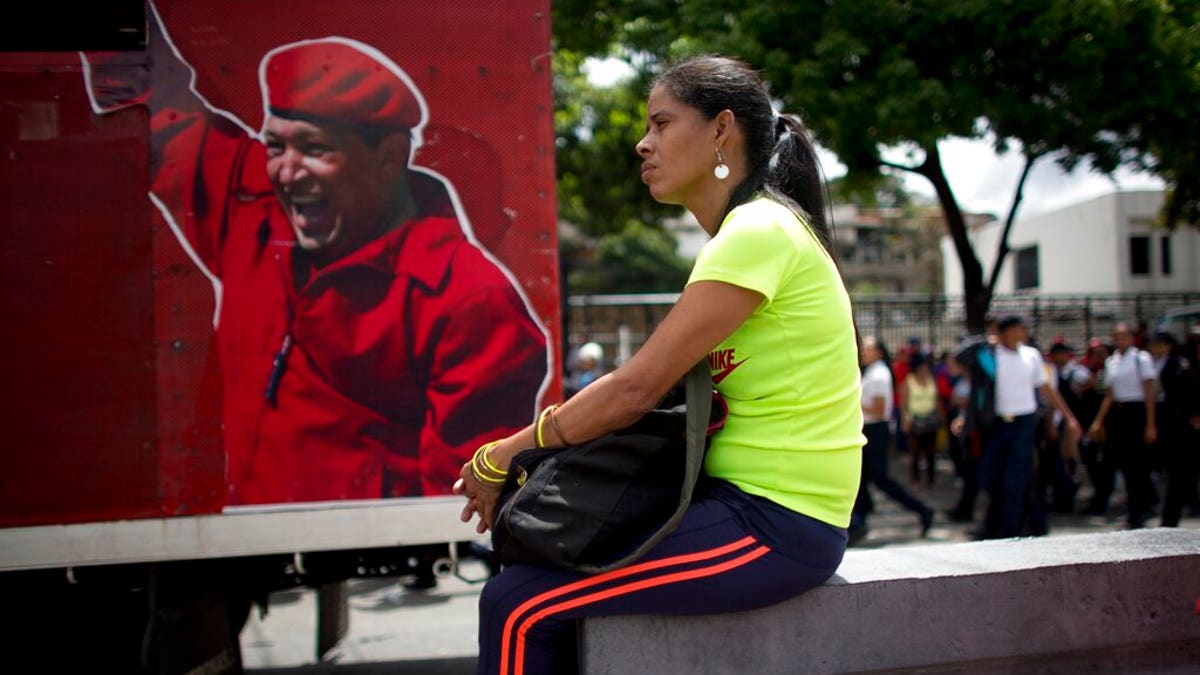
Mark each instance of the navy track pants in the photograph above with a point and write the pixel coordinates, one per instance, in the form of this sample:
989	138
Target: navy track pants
732	552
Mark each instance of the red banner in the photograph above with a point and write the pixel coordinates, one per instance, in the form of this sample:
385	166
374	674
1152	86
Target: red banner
292	252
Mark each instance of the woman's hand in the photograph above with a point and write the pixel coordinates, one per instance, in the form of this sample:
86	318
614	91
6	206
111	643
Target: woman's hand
482	496
481	499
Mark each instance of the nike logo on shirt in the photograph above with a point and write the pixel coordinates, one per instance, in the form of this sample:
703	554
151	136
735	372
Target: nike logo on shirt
723	360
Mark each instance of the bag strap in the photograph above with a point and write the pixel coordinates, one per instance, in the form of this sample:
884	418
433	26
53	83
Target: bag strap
698	394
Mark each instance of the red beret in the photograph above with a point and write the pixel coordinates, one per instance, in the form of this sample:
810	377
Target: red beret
332	80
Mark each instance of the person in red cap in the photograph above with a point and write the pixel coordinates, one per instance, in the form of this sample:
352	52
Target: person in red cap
368	344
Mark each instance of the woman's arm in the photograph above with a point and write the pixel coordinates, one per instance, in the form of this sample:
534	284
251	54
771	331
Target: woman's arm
1098	422
706	313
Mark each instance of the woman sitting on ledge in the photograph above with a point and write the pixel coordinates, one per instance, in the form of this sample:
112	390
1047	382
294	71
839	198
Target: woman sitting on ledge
766	305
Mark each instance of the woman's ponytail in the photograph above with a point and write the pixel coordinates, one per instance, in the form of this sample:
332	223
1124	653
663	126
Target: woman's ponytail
794	172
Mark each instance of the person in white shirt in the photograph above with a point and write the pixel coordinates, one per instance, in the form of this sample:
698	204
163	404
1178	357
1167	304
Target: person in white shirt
1006	467
1127	417
878	395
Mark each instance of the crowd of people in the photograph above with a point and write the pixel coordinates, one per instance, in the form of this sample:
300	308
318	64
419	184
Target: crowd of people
1031	429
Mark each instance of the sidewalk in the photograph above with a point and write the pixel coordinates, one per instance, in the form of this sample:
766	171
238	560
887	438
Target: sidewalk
393	630
892	525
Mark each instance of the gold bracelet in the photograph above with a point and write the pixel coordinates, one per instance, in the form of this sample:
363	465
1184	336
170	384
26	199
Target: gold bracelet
482	469
480	459
482	448
558	430
538	440
484	478
487	463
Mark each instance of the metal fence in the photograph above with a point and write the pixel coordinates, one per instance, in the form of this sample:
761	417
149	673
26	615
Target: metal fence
621	323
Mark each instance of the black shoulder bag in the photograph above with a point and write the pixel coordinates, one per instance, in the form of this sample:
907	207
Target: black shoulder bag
601	505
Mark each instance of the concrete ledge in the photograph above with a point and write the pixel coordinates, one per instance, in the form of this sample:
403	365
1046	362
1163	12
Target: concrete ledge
1110	602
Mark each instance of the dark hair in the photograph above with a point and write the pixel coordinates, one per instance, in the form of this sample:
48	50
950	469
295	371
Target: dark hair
780	157
1060	348
1166	338
1008	321
916	361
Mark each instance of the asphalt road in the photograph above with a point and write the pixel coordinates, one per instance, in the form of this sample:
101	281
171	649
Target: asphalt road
397	631
392	630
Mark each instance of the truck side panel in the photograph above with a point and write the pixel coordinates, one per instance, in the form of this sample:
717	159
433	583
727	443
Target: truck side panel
113	381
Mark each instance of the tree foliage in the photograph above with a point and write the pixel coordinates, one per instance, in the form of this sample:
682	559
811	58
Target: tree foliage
599	193
639	259
1109	82
596	129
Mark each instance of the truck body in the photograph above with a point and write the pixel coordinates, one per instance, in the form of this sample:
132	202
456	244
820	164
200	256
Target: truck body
133	524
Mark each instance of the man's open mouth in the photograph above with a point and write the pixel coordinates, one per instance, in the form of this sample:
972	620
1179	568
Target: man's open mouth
309	208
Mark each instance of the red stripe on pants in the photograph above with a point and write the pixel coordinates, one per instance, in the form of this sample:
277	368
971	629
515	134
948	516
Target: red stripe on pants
625	589
596	580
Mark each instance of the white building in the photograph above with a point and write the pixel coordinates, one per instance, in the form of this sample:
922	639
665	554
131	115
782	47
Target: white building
1108	244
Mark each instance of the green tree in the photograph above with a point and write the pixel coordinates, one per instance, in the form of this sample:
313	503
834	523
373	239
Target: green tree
1110	82
596	129
599	193
639	259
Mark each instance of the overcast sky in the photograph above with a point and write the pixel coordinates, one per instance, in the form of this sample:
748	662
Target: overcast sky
982	181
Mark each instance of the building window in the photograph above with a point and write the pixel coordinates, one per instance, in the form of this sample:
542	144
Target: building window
1027	268
1139	256
1164	255
870	246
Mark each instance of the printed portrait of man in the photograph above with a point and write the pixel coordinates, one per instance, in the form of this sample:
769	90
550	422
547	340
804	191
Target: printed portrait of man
367	342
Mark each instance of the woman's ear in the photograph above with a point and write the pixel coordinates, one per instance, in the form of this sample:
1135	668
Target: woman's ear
725	124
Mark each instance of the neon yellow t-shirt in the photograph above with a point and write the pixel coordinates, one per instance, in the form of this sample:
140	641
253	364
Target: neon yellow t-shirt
790	372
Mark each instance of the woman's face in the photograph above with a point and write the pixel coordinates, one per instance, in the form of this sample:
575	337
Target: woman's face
678	150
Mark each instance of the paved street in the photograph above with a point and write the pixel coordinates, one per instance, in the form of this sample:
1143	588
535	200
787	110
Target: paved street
393	630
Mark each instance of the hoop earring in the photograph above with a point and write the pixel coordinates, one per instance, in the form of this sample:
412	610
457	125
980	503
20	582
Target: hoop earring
722	170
